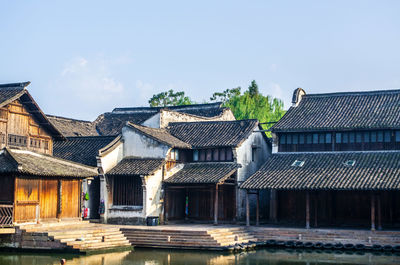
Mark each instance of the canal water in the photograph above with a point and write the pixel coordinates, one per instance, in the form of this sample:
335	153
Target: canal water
156	257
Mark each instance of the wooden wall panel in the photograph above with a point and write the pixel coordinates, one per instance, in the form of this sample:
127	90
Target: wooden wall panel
48	199
70	198
26	199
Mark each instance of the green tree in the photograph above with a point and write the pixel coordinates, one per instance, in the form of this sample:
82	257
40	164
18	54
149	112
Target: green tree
226	95
170	98
252	105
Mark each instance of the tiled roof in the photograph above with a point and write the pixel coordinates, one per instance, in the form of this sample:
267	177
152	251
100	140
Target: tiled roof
34	164
336	111
81	149
112	123
161	135
206	173
71	127
136	166
15	91
378	170
213	133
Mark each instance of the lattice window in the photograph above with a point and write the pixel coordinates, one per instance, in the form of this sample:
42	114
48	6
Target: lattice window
128	190
17	140
35	143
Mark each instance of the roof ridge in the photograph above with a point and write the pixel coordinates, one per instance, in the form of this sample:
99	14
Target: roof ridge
20	84
354	93
65	118
142	158
169	107
195	122
90	137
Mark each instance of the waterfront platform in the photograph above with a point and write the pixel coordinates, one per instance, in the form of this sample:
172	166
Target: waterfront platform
229	237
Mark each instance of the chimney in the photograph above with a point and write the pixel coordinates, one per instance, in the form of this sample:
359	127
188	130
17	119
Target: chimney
297	95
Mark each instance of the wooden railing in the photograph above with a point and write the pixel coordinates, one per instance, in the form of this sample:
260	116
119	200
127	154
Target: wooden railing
6	215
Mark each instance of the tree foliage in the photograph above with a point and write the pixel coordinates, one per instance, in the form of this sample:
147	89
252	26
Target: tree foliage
170	98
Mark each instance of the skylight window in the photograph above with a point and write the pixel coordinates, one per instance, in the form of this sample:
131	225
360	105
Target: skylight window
350	163
298	163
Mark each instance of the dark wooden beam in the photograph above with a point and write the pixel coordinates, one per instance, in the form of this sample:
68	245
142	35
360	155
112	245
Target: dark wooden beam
307	210
216	205
258	209
372	211
247	209
316	209
379	212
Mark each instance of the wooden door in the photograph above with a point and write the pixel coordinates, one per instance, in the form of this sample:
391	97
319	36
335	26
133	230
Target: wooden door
176	201
26	200
48	199
70	198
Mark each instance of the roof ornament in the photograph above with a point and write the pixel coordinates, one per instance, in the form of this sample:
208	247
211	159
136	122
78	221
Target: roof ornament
297	95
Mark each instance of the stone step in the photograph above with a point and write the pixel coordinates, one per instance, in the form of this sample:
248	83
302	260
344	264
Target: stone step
89	237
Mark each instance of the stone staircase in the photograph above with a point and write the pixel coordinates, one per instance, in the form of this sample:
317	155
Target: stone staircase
211	239
74	236
365	237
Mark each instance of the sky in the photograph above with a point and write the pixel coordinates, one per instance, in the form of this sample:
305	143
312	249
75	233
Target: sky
85	58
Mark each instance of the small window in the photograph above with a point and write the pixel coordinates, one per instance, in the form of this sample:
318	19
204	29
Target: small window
321	138
380	136
195	155
301	139
359	137
315	138
202	155
222	155
338	138
215	155
366	137
209	155
298	163
352	137
345	138
350	163
373	137
295	139
387	136
46	144
176	154
289	139
229	155
253	153
397	136
283	139
309	138
328	138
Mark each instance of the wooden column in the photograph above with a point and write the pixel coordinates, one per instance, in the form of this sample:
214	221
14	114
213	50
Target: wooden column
273	207
307	209
316	209
216	205
247	209
379	212
258	209
165	206
372	211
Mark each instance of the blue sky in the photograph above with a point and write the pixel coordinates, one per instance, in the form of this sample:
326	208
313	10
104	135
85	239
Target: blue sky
87	57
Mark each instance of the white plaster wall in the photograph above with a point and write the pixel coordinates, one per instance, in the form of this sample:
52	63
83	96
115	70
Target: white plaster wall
153	194
168	116
274	143
153	122
112	158
243	157
138	145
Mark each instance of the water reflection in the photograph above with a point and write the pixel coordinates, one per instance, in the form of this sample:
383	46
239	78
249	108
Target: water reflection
167	257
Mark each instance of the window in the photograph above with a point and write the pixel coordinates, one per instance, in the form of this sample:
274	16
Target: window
358	137
289	139
321	138
229	155
202	155
215	155
222	154
380	136
309	138
350	163
315	138
298	163
387	136
338	138
209	155
128	191
352	137
345	138
253	153
373	137
328	137
366	137
295	139
18	140
283	139
301	139
46	144
397	136
195	155
174	155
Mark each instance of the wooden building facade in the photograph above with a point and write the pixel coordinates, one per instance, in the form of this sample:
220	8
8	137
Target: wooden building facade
35	186
335	162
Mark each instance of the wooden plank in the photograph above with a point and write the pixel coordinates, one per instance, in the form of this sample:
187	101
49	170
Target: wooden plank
372	211
307	209
216	205
258	209
70	198
49	199
247	209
